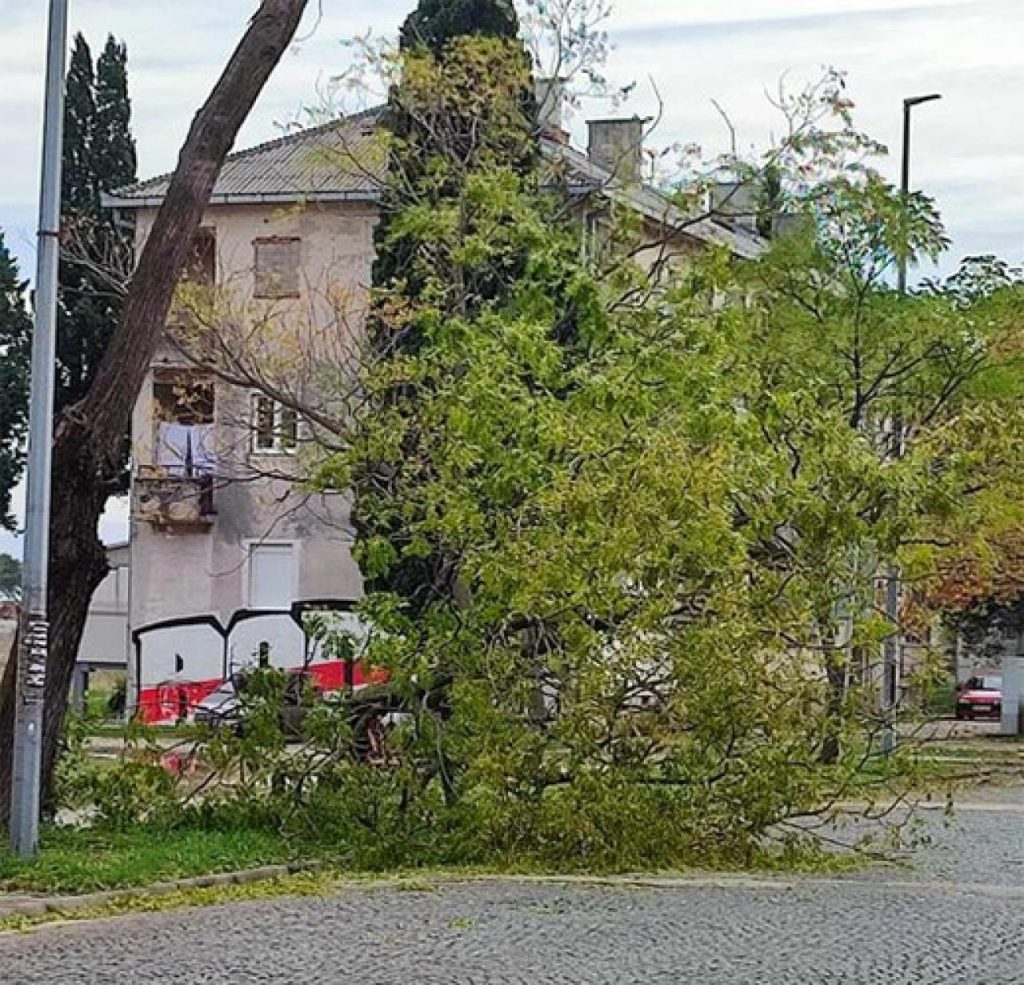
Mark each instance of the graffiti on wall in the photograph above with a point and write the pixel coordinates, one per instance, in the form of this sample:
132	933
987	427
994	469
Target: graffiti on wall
179	662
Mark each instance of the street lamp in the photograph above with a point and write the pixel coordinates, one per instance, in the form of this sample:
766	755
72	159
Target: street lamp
34	631
908	105
893	588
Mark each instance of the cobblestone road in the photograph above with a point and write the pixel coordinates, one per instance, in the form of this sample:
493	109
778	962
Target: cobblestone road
957	916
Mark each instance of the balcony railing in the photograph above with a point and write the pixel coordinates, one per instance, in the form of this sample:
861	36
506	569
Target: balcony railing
174	501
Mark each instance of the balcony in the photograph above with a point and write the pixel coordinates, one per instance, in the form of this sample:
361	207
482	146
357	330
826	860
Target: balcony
174	501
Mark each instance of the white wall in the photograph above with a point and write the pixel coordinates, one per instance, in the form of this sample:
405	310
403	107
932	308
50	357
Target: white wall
105	639
177	573
1013	696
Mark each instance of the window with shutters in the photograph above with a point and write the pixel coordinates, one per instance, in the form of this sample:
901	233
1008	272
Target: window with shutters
272	579
276	267
274	427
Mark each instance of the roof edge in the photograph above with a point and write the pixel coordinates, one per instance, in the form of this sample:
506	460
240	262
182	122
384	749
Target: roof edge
114	201
121	194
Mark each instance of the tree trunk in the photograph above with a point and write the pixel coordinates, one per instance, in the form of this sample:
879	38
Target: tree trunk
89	437
7	694
78	563
836	677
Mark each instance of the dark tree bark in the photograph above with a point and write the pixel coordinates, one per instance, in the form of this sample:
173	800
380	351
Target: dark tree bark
89	437
8	686
830	747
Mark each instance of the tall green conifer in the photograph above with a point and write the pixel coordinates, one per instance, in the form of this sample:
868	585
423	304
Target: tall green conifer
98	156
15	357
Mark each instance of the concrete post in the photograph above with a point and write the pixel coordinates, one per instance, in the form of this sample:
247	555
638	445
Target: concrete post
1013	696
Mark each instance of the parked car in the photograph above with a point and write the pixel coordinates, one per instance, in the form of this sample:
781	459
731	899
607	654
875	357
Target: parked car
371	711
221	707
980	697
225	707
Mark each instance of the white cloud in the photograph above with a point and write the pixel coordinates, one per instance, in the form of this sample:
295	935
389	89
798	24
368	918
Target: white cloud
729	50
665	13
967	152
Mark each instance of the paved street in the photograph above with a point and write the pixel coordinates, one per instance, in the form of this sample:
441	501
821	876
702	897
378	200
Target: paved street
956	916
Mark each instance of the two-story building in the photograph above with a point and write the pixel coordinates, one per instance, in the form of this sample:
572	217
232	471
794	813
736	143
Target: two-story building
226	551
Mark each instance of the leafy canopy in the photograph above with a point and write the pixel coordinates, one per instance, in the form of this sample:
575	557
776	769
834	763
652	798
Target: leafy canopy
624	525
10	578
435	23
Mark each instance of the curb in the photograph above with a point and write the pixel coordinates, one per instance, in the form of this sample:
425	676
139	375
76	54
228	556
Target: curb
56	905
773	883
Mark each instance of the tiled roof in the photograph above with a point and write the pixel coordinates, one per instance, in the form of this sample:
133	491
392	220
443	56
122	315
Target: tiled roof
336	161
586	176
340	161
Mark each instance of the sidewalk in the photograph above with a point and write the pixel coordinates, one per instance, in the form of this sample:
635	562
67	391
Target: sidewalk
27	905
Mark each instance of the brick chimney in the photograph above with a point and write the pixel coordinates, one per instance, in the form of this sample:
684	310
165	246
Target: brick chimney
736	203
618	147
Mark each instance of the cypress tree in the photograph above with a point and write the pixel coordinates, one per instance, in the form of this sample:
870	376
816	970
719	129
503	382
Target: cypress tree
430	32
462	108
98	156
436	22
78	186
15	359
113	156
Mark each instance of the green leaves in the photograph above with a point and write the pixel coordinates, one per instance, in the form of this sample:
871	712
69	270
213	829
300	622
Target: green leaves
10	578
15	363
624	526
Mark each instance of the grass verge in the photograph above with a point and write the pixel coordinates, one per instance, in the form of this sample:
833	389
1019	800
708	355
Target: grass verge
73	860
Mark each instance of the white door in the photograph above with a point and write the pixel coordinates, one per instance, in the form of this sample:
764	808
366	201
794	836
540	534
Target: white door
272	579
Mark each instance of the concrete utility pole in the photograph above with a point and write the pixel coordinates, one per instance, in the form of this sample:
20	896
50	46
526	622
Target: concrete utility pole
33	645
893	589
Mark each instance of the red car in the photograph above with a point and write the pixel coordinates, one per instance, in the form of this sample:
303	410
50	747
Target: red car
980	697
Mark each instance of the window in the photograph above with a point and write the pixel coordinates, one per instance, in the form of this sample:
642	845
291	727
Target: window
201	267
274	427
276	266
183	412
200	272
590	236
272	573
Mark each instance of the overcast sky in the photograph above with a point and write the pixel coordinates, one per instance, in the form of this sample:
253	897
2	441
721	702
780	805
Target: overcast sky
969	149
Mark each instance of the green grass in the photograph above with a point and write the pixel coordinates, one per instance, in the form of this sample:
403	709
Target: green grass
95	728
88	860
77	861
96	704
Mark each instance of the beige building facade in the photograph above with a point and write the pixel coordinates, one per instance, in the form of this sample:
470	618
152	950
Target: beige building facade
225	551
